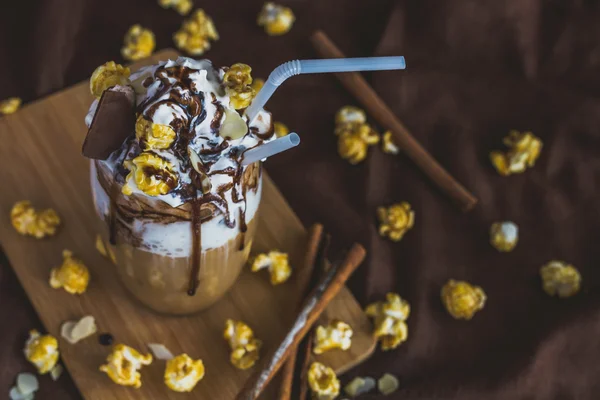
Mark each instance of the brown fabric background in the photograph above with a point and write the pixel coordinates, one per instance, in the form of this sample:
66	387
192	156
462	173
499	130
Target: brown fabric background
476	68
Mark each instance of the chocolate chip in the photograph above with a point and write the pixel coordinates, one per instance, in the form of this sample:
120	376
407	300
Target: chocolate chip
106	339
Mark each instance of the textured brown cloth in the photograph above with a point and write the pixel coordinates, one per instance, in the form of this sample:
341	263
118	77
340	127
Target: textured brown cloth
476	69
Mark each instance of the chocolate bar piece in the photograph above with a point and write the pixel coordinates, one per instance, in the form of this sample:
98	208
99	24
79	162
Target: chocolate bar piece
113	123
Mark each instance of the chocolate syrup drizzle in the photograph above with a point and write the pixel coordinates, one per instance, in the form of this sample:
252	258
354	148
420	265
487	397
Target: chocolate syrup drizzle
196	247
191	102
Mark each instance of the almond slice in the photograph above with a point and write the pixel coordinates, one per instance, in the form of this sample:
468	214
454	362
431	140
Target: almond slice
86	327
27	383
369	385
56	372
234	126
387	384
14	394
74	331
353	387
160	351
66	329
196	162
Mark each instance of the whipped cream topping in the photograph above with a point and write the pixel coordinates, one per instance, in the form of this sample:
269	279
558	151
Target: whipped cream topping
188	95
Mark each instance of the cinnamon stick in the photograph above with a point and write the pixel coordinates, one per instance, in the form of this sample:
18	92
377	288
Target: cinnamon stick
306	365
376	107
315	244
327	288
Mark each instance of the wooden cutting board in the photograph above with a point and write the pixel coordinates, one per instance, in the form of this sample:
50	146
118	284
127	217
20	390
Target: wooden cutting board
40	161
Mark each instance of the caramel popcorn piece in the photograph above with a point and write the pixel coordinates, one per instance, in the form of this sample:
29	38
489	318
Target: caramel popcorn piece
275	19
396	220
27	221
390	320
277	263
183	373
123	365
280	129
72	275
41	351
195	34
336	335
560	279
154	136
244	346
354	143
388	145
504	235
10	105
350	115
108	75
139	43
524	150
354	134
461	299
151	174
238	84
323	382
183	7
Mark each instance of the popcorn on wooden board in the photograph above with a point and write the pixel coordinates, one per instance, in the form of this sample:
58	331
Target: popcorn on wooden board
196	33
280	129
123	365
183	7
560	279
277	263
504	235
524	150
461	299
275	19
10	105
244	346
388	145
395	220
139	43
238	85
323	382
154	136
107	75
27	221
390	320
336	335
150	173
41	351
73	276
182	373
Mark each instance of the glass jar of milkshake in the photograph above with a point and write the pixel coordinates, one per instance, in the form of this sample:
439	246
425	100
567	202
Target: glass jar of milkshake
179	205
